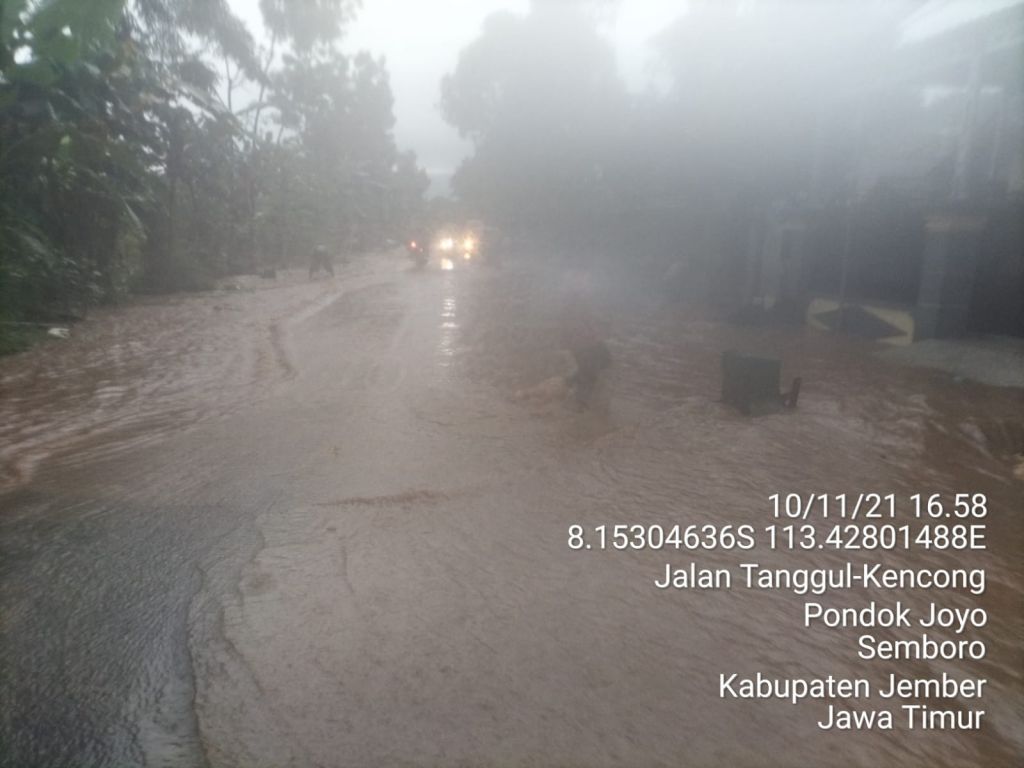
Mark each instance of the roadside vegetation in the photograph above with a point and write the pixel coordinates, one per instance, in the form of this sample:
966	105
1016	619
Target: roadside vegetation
153	145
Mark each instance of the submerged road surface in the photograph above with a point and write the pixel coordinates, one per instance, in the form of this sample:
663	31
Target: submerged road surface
310	525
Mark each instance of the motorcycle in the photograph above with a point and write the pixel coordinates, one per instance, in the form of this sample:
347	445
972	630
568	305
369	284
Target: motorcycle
417	250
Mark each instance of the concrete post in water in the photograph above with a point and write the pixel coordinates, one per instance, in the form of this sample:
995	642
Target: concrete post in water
751	384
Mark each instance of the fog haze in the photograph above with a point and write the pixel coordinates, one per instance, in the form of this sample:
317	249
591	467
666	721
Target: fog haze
421	43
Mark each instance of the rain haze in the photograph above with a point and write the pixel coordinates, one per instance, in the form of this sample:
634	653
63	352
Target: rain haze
421	44
538	383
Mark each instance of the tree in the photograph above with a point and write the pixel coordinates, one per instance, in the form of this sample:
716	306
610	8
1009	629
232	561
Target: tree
344	172
121	167
308	26
539	97
72	167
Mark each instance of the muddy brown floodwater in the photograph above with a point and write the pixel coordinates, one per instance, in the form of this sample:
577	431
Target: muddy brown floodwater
312	525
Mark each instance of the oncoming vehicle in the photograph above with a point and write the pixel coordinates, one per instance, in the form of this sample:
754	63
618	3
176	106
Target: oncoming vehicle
457	245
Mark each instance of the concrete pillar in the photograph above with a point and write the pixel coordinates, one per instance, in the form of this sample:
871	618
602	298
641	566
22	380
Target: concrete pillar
952	244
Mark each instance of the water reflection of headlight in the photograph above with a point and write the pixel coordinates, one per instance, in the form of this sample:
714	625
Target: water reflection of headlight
467	255
447	264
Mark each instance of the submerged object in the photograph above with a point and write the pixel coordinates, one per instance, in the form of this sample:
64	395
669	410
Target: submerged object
751	384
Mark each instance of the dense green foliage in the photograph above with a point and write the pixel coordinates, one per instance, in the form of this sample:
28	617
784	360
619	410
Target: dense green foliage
123	167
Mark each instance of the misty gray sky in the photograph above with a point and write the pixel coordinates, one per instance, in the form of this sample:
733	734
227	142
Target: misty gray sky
421	41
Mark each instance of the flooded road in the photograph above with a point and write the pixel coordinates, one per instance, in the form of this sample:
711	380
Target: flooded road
312	525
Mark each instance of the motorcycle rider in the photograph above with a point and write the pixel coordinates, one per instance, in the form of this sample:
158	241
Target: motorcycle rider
583	336
320	258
